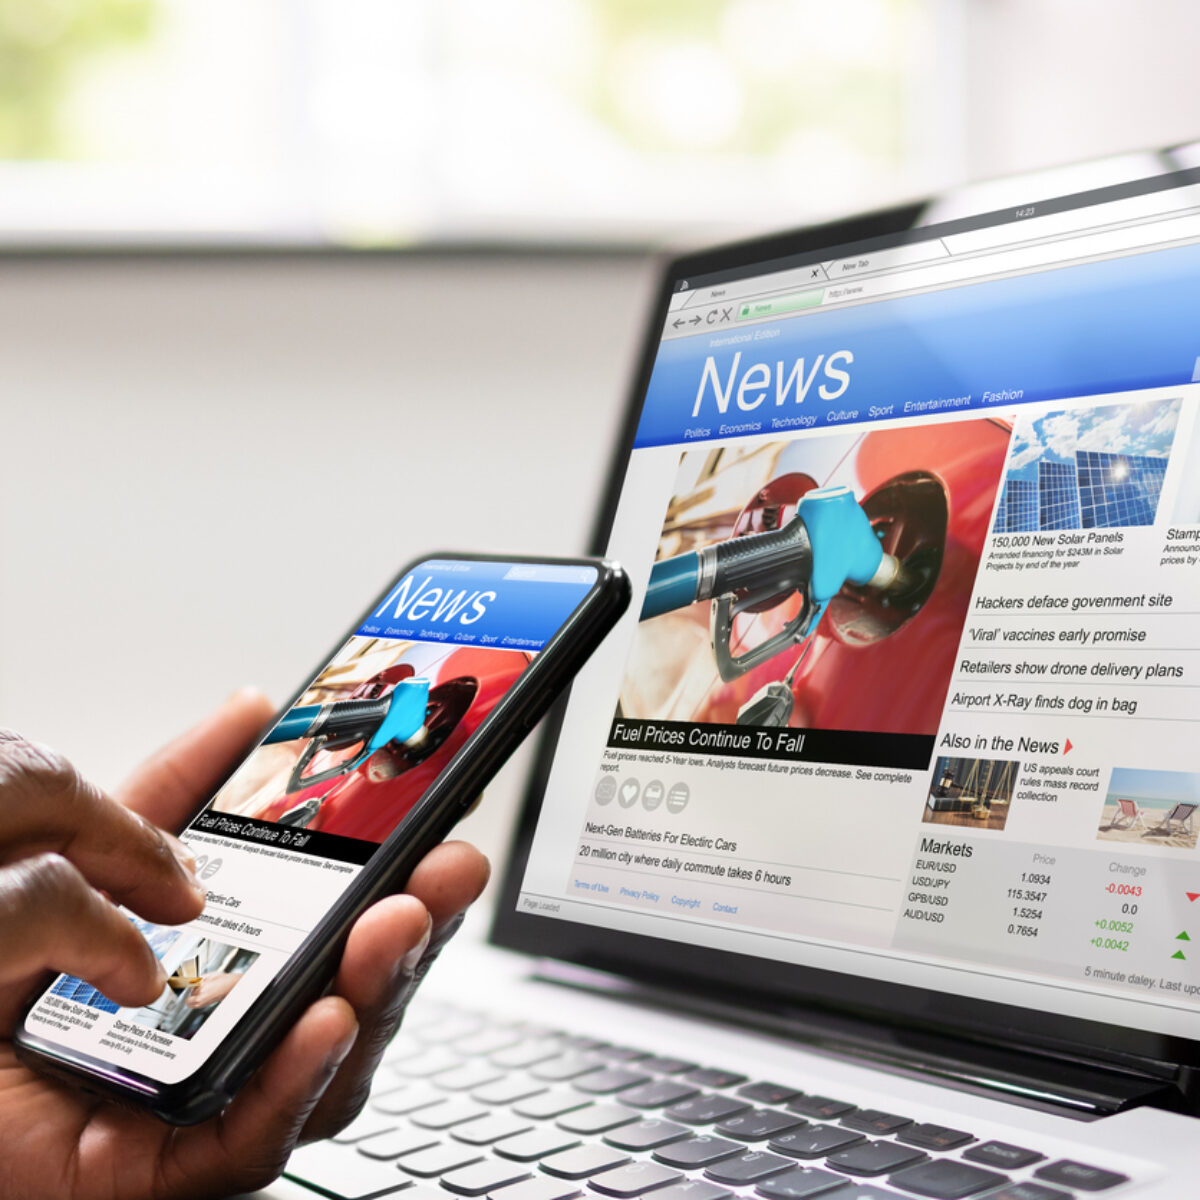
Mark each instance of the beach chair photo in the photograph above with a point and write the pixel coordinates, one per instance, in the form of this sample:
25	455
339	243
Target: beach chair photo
1129	816
1181	816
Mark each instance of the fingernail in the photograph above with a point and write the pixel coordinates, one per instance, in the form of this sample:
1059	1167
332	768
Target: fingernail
408	964
183	856
337	1055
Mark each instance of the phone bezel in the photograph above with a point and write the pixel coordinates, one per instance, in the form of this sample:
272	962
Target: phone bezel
212	1085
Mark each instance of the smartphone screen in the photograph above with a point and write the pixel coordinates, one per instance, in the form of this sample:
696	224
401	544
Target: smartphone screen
298	821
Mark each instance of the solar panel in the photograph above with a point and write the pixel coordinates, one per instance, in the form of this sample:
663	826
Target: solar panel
1118	489
1018	511
1058	495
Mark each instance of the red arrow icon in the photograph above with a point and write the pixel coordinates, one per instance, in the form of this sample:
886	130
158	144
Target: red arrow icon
1192	896
1068	747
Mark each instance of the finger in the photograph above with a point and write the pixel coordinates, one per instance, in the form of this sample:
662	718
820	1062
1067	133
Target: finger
45	806
449	879
389	945
171	785
51	918
248	1144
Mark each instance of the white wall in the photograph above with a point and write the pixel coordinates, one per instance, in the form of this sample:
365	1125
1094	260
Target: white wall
210	466
1055	81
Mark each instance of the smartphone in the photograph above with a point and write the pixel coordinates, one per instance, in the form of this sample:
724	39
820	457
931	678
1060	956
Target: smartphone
368	767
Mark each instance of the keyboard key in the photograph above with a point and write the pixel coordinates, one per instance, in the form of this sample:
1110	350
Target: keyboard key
537	1143
508	1090
800	1183
452	1028
706	1110
820	1107
483	1177
693	1189
435	1059
633	1179
934	1137
487	1042
365	1125
537	1188
448	1113
945	1179
583	1161
567	1066
698	1152
467	1077
526	1053
1080	1176
658	1094
404	1100
746	1168
815	1141
550	1104
579	1041
874	1158
758	1125
490	1129
609	1080
620	1053
710	1077
403	1046
597	1118
1029	1191
338	1171
666	1066
865	1191
1002	1155
646	1135
768	1093
397	1142
437	1160
871	1120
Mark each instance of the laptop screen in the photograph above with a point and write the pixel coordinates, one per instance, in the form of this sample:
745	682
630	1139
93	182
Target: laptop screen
910	687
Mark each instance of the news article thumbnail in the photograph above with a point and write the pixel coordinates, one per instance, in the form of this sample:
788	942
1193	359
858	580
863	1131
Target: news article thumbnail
867	680
335	781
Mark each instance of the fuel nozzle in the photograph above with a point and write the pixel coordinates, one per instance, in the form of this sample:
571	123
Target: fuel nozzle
845	548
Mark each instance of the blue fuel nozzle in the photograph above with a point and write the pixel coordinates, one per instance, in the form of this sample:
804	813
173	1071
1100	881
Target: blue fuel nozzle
844	546
405	714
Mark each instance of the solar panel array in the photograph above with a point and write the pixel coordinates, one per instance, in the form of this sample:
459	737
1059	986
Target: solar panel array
1098	491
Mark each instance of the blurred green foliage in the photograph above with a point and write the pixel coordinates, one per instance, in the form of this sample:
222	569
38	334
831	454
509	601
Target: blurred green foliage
44	44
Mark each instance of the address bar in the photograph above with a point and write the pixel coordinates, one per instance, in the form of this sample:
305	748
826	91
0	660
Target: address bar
950	271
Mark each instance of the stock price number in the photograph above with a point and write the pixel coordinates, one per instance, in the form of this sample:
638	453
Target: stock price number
1124	889
1027	914
1114	926
1107	943
1035	877
1023	930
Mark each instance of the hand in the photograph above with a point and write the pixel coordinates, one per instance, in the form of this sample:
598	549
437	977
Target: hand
63	843
211	988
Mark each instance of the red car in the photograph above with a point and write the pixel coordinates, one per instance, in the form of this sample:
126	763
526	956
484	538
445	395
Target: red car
373	798
872	664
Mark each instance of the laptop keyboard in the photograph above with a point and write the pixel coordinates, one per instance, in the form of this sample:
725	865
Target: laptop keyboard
464	1106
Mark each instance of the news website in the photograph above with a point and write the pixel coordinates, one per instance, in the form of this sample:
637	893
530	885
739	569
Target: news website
300	818
915	685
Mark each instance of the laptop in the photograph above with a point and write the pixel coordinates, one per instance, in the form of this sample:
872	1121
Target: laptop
862	860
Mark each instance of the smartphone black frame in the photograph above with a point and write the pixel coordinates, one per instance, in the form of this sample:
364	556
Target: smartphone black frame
308	971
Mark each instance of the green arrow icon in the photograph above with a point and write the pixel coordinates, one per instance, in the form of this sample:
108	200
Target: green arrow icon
1182	937
1179	954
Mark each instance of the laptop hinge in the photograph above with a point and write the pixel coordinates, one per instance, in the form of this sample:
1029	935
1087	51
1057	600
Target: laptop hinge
1063	1085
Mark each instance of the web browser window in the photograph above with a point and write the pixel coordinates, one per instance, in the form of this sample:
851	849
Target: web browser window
914	690
298	821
